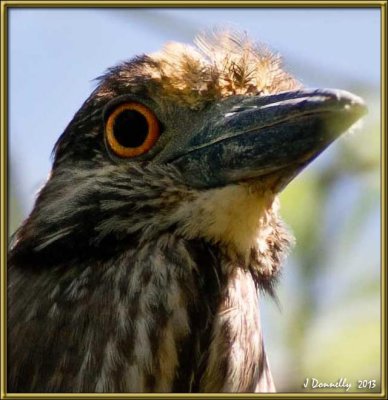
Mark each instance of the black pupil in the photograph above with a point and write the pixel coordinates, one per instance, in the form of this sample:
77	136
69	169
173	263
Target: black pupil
130	128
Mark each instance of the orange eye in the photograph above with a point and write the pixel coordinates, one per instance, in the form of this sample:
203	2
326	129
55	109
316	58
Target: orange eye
131	130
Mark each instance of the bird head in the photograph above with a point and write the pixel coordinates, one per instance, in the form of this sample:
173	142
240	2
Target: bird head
193	140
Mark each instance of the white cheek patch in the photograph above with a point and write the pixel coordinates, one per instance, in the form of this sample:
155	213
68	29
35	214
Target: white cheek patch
234	215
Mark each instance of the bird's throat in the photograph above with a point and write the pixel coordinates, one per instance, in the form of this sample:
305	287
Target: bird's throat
235	217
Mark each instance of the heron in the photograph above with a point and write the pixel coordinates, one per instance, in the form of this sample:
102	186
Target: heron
141	265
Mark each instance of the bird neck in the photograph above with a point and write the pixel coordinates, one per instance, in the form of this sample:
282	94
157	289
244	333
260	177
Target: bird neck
241	220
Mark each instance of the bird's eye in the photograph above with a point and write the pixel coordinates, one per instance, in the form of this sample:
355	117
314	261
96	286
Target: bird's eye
131	129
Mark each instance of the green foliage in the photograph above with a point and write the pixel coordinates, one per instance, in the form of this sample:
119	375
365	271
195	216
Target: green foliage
332	328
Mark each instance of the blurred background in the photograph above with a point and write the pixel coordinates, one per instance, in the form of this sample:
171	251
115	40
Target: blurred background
327	323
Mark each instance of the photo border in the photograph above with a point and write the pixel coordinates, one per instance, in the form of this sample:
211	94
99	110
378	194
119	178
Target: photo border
7	5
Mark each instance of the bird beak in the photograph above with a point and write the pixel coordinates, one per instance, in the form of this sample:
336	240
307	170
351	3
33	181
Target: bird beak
266	137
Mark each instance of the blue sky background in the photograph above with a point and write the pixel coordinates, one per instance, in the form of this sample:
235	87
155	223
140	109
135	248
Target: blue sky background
54	56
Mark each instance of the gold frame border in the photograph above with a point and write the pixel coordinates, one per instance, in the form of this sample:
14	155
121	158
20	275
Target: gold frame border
5	5
194	3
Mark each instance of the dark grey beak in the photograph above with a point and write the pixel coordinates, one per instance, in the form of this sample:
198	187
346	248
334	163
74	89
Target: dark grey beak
247	138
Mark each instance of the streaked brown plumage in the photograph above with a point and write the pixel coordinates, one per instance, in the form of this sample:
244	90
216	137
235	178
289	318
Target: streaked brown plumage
142	274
